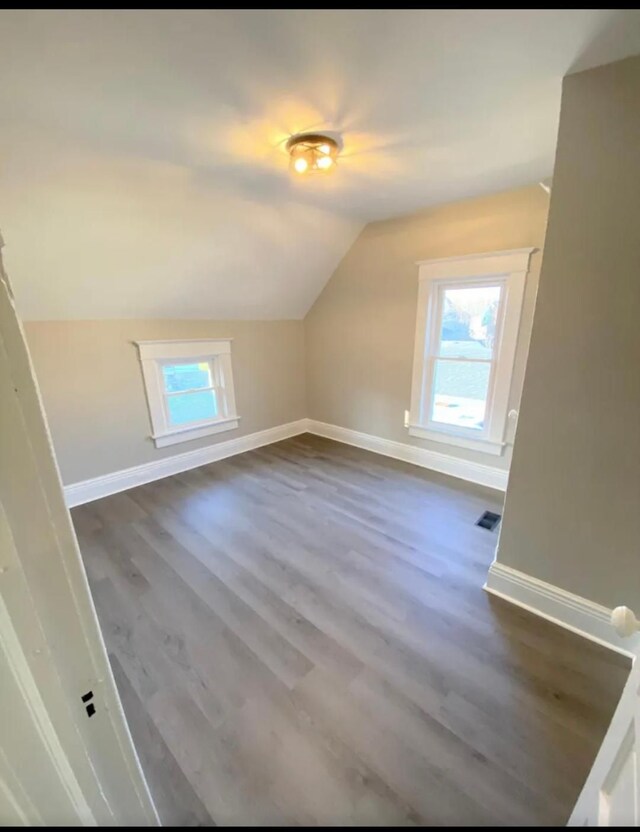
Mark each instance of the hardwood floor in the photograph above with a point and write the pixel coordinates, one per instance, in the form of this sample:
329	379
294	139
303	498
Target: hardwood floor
300	636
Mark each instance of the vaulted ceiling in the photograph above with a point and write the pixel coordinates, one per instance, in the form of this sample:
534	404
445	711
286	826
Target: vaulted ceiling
142	163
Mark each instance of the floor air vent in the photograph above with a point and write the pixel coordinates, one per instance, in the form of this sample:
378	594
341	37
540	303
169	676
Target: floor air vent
489	520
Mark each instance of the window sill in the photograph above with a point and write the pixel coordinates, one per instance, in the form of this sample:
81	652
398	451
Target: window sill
197	432
484	446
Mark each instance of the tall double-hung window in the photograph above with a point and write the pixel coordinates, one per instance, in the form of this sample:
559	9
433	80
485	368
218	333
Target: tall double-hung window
466	335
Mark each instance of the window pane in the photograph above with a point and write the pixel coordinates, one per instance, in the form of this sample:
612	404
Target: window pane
186	376
469	322
192	407
460	393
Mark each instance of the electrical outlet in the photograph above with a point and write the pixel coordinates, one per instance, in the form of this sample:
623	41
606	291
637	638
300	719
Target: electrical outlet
406	418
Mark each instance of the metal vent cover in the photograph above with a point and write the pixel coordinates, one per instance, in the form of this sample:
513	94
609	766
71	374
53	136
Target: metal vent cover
489	520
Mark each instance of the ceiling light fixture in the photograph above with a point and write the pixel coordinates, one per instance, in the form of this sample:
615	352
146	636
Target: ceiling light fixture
312	153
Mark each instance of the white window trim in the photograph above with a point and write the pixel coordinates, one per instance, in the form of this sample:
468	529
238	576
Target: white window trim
153	354
509	268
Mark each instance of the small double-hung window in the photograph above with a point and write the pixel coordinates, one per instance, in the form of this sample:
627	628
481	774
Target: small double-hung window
189	386
466	338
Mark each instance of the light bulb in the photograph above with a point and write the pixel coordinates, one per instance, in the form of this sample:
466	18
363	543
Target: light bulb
312	153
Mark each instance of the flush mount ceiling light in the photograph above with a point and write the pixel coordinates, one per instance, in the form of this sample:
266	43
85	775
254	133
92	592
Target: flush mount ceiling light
312	153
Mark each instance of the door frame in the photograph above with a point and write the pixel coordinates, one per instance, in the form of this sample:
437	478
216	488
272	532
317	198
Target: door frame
60	761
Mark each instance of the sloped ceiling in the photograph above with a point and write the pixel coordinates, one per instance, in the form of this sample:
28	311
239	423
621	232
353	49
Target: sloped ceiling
142	169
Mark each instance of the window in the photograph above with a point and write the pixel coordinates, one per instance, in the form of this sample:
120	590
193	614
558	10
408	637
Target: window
189	387
466	336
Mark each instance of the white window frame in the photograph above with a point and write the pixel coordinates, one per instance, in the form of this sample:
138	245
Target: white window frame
507	269
217	353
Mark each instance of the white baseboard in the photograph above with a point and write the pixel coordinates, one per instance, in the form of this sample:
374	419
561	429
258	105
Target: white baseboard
584	617
443	463
573	612
88	490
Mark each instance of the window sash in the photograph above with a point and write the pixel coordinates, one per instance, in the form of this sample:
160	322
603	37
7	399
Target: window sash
216	353
208	361
433	343
218	388
441	287
169	393
509	268
193	422
173	362
435	424
461	359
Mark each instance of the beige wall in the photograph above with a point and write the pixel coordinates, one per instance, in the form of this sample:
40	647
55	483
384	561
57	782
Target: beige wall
360	332
359	345
573	506
91	382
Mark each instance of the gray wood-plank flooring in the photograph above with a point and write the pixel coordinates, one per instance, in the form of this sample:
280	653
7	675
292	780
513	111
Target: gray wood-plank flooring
300	636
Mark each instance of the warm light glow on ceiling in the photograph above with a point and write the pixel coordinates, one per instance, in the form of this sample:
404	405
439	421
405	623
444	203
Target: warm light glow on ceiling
312	153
